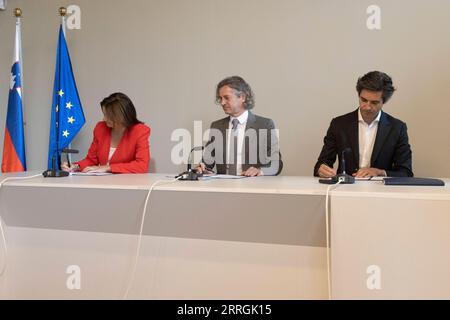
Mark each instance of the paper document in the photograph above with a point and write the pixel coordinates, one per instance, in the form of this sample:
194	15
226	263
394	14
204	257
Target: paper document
91	173
370	179
221	176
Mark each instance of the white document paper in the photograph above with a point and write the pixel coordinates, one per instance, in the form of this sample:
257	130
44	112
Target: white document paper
221	176
370	179
91	173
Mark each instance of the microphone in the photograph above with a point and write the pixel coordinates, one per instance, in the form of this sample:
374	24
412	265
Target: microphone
189	165
190	174
343	158
55	172
67	151
344	178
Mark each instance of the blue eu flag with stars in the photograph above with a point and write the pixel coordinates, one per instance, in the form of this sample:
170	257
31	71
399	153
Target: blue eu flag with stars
67	112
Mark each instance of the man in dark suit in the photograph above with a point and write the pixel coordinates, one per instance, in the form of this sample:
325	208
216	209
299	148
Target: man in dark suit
241	143
378	142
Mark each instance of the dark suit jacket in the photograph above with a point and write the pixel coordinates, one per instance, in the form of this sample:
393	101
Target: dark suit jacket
261	150
131	156
391	150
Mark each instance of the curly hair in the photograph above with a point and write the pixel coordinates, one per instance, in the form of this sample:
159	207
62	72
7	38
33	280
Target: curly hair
240	87
376	81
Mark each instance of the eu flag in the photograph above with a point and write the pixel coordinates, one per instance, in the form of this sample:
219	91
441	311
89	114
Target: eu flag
67	112
13	159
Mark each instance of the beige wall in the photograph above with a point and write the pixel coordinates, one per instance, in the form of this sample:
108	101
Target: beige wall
302	59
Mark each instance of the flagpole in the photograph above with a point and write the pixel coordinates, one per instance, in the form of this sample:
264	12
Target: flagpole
14	155
18	14
67	117
62	13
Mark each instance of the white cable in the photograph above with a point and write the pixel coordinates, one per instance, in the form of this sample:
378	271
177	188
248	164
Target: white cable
136	257
327	224
2	231
3	269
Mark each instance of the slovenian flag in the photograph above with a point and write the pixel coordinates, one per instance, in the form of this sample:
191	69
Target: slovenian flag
14	142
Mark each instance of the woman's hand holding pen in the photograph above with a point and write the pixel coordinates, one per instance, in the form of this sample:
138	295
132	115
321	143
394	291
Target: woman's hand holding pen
72	168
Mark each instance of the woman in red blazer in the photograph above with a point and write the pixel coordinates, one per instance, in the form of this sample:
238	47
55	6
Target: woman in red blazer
120	141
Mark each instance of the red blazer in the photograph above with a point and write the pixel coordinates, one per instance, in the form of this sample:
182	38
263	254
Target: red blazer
131	156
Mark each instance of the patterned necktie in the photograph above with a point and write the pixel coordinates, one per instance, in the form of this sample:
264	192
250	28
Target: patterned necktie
235	123
232	167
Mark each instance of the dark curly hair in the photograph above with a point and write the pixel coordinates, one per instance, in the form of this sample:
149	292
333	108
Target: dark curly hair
241	87
376	81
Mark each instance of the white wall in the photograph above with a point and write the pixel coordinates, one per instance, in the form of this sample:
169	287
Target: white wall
302	59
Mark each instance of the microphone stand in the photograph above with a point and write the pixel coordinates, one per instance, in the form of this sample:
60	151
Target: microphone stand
55	172
190	174
344	178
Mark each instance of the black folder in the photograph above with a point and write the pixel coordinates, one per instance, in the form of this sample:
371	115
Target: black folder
410	181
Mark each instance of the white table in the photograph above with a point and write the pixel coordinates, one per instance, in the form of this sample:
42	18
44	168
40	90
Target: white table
390	242
258	238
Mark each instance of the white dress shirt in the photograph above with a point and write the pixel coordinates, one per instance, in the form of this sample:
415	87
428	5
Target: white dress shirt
111	153
367	135
240	140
